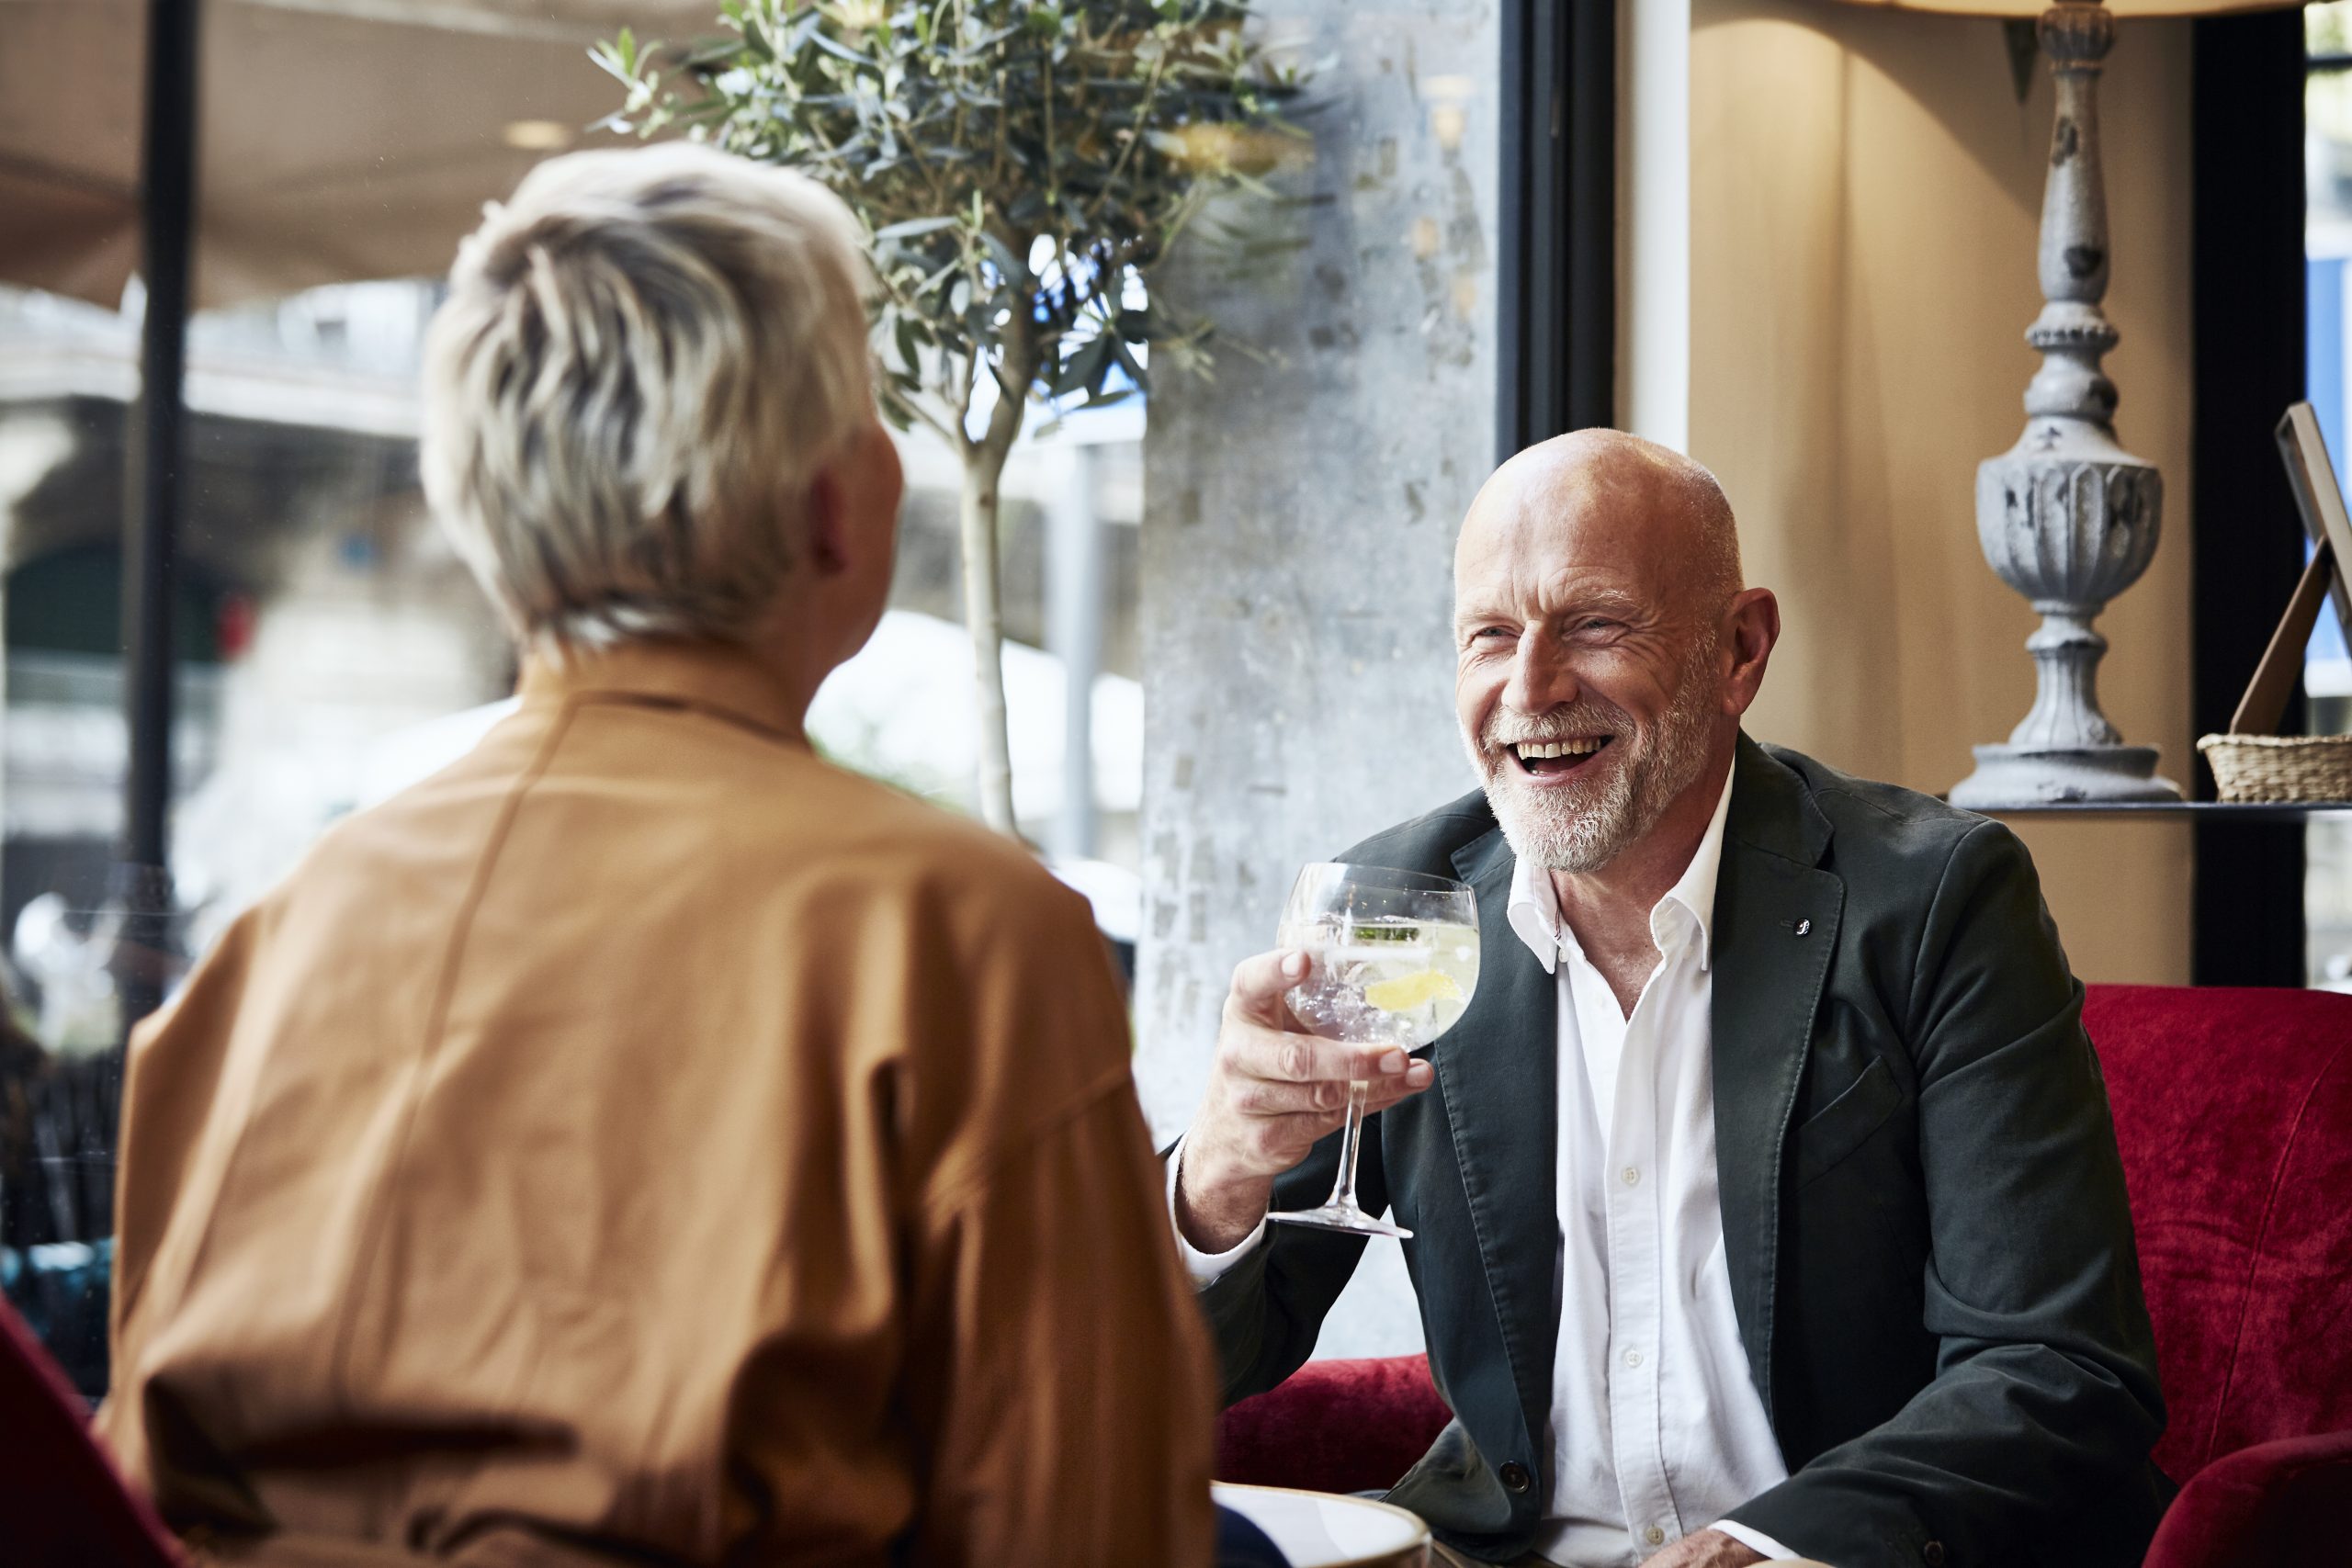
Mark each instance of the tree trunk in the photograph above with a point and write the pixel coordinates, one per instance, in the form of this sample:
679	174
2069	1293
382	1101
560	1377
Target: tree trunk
983	607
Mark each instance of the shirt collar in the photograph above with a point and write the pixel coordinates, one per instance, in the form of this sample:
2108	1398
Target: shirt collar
1534	913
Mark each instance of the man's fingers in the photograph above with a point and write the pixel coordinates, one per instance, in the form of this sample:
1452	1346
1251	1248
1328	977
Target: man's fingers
1279	1097
1284	1097
1392	1091
1260	1053
1279	1122
1289	1134
1259	984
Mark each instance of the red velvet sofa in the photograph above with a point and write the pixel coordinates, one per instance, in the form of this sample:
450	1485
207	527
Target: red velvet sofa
2233	1110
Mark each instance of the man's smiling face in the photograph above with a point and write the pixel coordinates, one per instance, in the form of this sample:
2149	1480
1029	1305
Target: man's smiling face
1588	592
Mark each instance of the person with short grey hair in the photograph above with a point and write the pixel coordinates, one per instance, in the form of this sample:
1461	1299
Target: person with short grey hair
644	360
643	1141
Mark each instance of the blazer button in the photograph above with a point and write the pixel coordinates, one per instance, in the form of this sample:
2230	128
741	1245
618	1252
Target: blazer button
1934	1553
1515	1477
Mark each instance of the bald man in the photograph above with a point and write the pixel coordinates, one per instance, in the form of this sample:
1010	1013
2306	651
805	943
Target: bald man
1766	1201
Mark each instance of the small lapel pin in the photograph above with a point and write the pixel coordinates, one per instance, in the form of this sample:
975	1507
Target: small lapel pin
1799	927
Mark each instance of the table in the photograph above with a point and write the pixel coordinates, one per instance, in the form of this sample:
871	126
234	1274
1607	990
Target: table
1317	1530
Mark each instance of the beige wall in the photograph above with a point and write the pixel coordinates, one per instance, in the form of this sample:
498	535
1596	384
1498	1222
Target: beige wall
1865	190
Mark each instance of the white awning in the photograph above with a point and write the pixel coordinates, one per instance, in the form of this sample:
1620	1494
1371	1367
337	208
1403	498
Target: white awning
340	139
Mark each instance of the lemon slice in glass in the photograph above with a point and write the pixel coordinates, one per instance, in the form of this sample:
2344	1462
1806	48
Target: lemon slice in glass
1407	992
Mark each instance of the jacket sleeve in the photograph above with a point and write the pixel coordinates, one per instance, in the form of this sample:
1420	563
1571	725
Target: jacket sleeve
1059	1379
2031	1445
1265	1311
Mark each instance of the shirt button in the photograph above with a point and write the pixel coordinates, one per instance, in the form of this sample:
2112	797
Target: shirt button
1654	1535
1633	1176
1515	1477
1633	1357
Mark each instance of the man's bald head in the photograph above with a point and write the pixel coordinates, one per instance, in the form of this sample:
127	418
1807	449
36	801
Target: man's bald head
1604	646
1655	500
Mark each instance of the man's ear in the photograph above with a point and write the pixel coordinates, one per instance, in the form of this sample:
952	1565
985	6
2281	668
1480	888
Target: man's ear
831	551
1751	625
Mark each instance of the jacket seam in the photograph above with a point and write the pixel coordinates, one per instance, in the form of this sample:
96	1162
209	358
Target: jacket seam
1920	949
945	1195
444	990
703	707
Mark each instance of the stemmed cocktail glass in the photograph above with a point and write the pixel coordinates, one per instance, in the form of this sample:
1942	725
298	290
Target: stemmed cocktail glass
1395	958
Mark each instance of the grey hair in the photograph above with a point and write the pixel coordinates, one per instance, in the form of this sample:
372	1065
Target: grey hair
644	358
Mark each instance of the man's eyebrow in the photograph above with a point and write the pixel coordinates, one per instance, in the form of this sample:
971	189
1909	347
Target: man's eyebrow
1608	602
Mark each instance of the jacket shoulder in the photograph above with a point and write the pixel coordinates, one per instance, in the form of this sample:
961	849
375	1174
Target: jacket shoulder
1428	842
1881	825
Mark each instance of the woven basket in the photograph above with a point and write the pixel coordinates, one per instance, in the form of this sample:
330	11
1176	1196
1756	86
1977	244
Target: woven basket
2280	767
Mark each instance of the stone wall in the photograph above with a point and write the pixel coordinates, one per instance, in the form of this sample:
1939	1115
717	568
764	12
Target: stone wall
1299	511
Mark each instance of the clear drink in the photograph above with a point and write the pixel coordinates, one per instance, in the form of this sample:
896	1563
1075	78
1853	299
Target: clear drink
1387	979
1396	960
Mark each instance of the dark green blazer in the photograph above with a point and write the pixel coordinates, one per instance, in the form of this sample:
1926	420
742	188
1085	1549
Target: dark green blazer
1923	1211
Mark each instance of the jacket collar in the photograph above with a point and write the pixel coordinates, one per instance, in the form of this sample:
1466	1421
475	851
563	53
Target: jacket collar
714	677
1772	809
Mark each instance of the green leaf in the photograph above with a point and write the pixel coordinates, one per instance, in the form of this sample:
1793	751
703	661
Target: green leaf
1084	368
837	51
1131	365
1013	270
914	226
930	120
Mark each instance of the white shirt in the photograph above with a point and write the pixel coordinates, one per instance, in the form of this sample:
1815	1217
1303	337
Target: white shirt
1657	1427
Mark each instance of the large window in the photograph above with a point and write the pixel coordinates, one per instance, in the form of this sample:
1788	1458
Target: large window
331	649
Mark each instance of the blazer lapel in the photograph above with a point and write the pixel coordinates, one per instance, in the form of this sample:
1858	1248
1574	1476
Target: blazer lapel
1775	928
1498	1070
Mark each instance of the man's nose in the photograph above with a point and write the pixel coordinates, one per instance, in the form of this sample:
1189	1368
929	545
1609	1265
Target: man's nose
1540	676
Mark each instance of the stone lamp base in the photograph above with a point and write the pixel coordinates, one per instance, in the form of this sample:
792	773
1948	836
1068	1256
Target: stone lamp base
2068	517
2080	775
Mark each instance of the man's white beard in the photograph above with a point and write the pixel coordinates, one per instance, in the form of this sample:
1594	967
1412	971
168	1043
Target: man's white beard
1583	826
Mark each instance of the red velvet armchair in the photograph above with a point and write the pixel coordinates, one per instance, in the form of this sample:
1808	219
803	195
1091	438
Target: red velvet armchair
2233	1110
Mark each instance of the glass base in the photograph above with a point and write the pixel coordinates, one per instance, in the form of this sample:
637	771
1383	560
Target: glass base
1341	1217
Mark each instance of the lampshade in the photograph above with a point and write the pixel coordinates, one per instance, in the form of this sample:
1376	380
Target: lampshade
2124	10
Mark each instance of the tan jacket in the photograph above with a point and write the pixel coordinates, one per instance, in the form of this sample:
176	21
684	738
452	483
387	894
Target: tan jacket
644	1141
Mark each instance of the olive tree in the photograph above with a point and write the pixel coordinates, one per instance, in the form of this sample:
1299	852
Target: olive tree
1020	166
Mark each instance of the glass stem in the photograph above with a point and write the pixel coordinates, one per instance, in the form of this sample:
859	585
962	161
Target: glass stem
1344	1191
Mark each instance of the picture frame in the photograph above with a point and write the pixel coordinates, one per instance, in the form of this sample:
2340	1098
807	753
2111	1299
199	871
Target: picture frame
2311	475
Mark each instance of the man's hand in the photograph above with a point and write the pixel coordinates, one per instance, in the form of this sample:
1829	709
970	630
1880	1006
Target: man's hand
1275	1091
1706	1548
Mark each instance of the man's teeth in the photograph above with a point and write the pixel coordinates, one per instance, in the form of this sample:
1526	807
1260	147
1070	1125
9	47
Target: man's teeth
1532	749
